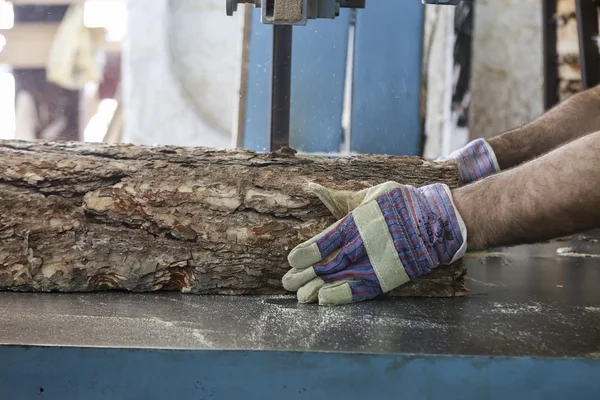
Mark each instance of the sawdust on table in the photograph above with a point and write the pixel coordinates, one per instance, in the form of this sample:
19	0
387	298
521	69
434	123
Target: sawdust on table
571	252
517	308
592	309
587	238
483	256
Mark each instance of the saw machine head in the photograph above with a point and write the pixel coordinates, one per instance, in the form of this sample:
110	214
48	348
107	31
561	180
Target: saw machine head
298	12
283	15
444	2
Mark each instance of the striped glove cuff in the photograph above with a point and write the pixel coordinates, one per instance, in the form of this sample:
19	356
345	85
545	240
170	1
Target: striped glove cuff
475	161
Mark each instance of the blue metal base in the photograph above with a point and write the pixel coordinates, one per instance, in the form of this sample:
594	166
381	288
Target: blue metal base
94	373
530	330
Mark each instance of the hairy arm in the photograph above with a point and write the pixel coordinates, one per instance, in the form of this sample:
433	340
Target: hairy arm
577	116
554	195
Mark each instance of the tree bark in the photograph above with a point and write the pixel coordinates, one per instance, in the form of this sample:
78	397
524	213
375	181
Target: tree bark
84	217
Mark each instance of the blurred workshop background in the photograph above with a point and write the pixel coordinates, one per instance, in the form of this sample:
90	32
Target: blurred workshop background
397	77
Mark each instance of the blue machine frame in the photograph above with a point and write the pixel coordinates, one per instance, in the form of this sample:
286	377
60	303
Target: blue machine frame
516	337
386	81
64	373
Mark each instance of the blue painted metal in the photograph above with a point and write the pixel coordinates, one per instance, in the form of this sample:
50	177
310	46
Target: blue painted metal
387	78
443	2
318	75
66	373
258	91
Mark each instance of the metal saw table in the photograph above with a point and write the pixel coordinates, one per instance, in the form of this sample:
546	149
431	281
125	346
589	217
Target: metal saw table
530	329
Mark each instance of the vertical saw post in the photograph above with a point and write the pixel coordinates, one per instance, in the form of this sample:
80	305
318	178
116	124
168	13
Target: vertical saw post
281	86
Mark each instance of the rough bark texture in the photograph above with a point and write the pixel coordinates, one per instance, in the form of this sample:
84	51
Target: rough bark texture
567	47
81	217
569	70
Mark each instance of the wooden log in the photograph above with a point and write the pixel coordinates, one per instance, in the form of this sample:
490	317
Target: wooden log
569	69
84	217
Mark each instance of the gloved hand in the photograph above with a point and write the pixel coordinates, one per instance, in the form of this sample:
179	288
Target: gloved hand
394	234
475	161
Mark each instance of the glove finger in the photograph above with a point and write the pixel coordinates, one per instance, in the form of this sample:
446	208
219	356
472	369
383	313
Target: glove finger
321	246
342	202
347	291
336	201
296	278
309	293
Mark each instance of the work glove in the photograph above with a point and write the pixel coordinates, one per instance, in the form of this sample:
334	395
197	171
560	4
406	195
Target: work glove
389	235
475	161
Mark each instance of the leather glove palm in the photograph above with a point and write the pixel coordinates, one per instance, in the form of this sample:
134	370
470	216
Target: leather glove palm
390	234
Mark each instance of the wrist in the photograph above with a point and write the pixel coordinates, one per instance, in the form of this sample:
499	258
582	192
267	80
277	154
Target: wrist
468	206
475	161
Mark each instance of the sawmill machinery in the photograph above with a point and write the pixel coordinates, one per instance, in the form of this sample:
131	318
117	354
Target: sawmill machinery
298	12
283	15
527	328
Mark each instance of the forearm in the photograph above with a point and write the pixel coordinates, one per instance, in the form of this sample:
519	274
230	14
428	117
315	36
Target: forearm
554	195
575	117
